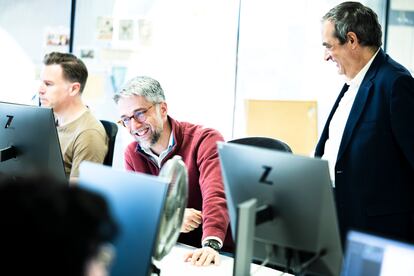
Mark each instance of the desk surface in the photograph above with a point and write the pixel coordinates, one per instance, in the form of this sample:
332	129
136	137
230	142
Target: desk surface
173	264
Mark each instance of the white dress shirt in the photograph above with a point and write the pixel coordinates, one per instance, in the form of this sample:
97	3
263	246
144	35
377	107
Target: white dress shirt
340	117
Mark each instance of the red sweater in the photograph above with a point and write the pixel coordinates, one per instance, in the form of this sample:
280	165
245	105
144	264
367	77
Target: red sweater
198	149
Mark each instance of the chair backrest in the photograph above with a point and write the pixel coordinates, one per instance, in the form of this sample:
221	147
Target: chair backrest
111	130
263	142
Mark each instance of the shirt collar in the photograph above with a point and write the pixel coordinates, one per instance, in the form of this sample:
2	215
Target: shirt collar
168	149
357	80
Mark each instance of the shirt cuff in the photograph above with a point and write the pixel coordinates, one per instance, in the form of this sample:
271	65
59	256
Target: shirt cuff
212	238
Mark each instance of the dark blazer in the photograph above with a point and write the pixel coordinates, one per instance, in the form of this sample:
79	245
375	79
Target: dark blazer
374	171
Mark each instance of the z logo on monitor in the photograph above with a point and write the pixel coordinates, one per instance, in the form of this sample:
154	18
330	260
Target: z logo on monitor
263	178
9	121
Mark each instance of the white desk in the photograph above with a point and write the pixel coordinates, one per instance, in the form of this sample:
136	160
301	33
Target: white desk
173	264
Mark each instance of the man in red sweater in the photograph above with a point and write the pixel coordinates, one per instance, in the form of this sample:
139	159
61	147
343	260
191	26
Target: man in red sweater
158	137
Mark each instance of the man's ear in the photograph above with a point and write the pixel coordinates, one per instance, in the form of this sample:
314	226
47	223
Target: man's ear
75	88
352	38
163	108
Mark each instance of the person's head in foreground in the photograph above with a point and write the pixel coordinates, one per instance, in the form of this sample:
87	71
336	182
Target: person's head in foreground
49	228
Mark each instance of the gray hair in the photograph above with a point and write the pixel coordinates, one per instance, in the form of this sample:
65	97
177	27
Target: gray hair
357	18
146	87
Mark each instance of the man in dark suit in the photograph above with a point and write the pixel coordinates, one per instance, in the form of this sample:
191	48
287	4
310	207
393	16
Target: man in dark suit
368	138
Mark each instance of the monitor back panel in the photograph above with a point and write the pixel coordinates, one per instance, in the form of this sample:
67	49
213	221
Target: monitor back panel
136	201
31	130
297	187
371	255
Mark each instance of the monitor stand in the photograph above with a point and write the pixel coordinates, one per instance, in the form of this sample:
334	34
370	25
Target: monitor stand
246	214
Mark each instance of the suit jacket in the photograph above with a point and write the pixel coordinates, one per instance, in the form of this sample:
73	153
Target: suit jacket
374	171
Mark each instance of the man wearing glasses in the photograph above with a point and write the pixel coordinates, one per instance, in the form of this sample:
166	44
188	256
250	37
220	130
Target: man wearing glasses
158	137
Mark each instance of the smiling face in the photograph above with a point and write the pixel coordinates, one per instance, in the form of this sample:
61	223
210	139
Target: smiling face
149	129
336	52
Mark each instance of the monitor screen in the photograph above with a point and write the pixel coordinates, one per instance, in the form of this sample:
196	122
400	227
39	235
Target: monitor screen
29	141
136	201
295	224
368	254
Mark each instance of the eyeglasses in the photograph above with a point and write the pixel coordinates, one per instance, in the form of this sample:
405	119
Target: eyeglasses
138	115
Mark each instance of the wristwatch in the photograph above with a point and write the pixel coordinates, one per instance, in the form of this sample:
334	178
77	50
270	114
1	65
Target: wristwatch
213	244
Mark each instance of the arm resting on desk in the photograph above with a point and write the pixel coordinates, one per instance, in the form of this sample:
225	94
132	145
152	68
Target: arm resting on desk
203	256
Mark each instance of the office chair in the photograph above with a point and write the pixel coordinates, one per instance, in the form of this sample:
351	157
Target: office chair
111	130
263	142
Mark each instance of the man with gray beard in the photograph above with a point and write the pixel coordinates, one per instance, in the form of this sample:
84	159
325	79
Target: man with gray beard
158	137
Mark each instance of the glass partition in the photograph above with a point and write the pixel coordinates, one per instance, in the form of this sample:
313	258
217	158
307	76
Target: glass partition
400	40
280	59
189	46
28	30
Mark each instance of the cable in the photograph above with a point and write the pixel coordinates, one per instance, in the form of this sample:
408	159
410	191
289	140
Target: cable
310	261
264	263
269	254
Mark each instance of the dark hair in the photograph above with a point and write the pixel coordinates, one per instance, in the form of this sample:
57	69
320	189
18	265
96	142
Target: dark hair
73	68
357	18
49	228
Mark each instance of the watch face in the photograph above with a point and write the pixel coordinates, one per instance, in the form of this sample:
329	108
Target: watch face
213	244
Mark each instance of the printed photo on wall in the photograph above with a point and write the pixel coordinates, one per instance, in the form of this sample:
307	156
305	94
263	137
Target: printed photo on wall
126	29
57	36
145	31
87	53
104	28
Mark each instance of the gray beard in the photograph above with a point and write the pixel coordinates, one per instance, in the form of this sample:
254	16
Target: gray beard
154	139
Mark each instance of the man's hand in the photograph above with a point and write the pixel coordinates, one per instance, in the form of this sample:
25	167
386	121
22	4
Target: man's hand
203	257
192	219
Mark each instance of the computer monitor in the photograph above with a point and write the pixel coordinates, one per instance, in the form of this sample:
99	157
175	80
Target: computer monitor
372	255
281	210
136	201
29	141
